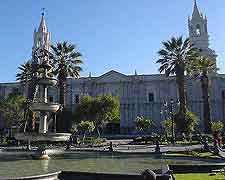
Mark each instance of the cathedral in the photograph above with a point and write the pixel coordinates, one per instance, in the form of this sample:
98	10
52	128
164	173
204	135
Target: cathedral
141	95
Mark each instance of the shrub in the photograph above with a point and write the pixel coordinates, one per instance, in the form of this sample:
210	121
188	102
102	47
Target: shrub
188	124
94	140
142	123
217	127
86	127
99	140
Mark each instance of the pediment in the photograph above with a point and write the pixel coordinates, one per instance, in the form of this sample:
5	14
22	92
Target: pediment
112	76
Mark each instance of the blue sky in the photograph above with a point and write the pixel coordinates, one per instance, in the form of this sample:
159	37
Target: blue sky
123	35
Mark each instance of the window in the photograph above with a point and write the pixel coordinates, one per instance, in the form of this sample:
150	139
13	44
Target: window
77	99
50	99
198	30
150	97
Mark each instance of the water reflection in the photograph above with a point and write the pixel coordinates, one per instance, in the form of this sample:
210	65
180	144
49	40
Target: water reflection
85	161
44	165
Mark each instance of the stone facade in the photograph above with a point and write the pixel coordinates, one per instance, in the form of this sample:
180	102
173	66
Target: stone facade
143	95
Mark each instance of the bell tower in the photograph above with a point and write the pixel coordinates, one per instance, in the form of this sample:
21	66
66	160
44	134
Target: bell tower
198	32
41	37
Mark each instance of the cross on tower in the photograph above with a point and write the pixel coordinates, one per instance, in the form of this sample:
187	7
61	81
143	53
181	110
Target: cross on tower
43	11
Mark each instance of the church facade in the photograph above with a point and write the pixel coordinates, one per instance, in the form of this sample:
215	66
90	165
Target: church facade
143	95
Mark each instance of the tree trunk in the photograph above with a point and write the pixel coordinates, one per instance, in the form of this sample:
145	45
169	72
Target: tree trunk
181	92
206	103
61	126
180	117
62	90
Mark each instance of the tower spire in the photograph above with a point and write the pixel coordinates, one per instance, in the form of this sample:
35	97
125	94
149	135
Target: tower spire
42	26
196	12
42	37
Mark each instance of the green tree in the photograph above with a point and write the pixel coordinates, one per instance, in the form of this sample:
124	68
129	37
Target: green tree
85	110
201	67
142	124
86	127
107	108
67	61
12	110
173	58
99	110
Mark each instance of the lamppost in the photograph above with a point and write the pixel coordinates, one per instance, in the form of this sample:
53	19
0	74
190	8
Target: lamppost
169	106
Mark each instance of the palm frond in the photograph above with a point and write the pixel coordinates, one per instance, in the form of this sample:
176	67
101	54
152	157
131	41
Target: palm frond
25	75
66	60
174	54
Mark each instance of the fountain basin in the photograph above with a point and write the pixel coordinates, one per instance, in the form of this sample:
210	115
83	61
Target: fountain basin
93	162
52	137
45	107
49	176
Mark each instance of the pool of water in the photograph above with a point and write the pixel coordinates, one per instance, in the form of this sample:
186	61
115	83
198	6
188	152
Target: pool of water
24	165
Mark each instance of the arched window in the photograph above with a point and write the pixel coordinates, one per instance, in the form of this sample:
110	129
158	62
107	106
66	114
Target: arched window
198	30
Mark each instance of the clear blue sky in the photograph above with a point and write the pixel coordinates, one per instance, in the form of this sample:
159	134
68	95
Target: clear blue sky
123	35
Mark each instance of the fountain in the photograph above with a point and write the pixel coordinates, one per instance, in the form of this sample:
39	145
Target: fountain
46	109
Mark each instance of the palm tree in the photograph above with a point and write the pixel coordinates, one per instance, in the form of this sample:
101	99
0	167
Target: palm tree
26	76
173	58
201	67
67	61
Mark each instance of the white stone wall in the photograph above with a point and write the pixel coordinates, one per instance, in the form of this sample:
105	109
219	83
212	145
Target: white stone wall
133	95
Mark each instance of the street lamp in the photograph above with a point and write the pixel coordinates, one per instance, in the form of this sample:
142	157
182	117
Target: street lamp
169	106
